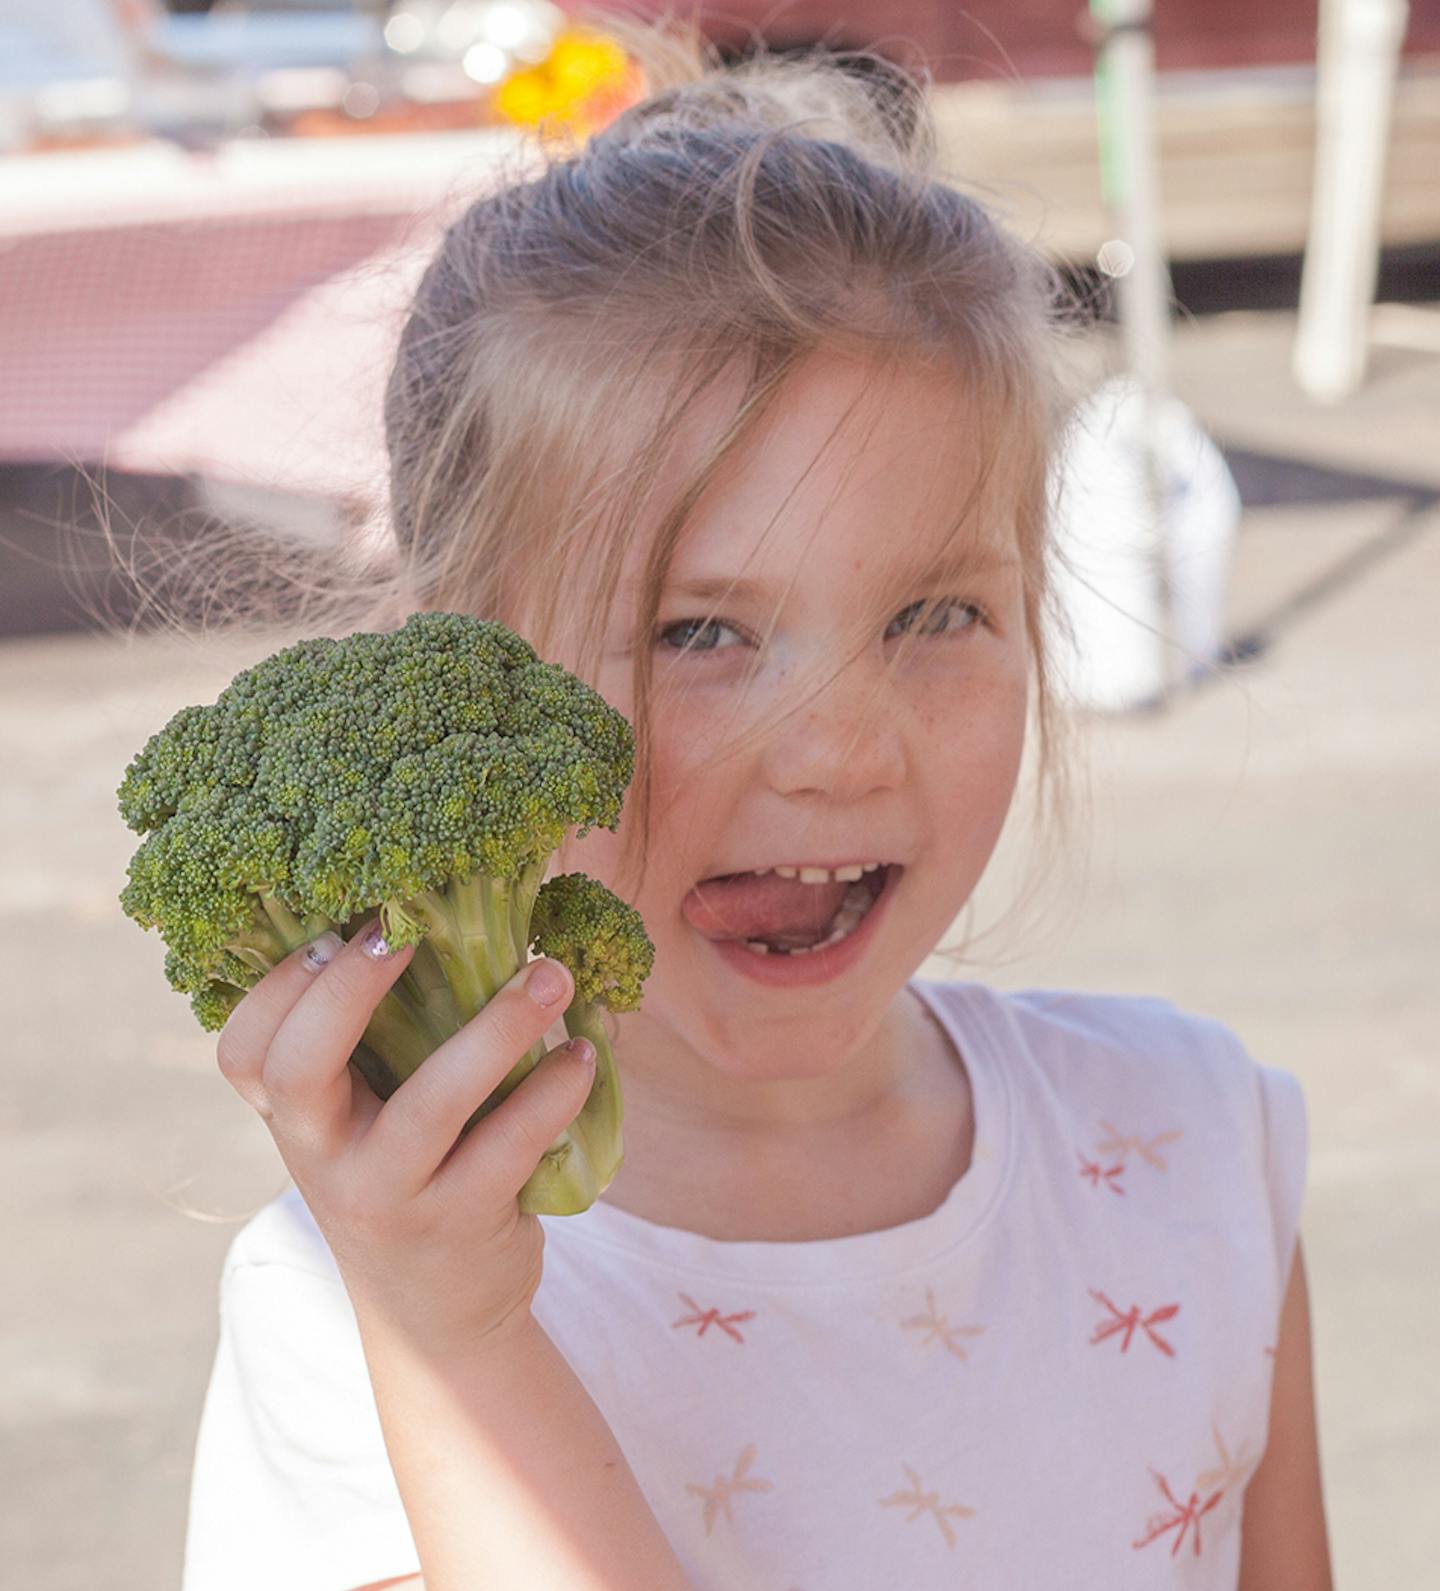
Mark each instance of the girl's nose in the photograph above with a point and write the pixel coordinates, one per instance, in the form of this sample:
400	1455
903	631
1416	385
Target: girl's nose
845	740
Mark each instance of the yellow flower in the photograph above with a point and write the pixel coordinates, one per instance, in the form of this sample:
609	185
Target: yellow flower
580	63
575	84
522	98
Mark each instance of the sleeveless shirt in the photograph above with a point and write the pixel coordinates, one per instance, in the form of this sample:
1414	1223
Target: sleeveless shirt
1059	1377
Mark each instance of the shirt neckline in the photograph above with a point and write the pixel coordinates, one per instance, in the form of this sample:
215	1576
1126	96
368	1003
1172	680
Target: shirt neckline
965	1012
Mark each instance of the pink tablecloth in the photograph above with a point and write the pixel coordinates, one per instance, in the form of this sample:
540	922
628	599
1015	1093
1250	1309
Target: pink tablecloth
228	317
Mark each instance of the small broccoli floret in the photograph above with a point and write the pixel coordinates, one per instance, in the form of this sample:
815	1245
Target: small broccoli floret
214	991
603	942
425	775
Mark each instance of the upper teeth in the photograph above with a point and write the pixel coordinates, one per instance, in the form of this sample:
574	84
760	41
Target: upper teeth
822	875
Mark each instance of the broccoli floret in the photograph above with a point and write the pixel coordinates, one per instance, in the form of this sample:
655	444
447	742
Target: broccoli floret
426	775
603	942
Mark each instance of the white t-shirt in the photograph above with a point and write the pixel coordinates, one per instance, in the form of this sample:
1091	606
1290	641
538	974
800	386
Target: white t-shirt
1060	1377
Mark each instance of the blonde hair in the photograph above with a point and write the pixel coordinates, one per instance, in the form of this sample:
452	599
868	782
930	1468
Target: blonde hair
735	221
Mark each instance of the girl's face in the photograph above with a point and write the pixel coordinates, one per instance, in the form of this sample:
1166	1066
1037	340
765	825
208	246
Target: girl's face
928	783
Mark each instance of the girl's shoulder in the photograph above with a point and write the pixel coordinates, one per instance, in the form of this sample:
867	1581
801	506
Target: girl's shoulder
1140	1083
1055	1020
1078	1041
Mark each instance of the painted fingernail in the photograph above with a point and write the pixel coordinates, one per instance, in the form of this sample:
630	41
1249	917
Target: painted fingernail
373	944
582	1050
322	951
546	983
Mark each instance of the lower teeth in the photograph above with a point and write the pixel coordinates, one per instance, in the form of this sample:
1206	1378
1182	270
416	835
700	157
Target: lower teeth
858	900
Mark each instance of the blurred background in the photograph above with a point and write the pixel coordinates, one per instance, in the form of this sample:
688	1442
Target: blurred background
210	218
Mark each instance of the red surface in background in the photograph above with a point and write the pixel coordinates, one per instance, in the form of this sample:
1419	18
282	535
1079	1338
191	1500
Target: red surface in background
1024	38
103	326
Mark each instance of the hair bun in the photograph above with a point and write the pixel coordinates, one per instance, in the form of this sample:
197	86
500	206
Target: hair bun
858	97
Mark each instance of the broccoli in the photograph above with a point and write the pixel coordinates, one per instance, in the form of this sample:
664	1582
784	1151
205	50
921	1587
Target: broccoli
427	775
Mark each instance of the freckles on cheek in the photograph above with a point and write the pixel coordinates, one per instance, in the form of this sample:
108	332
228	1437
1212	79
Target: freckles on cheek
683	742
976	761
674	773
681	816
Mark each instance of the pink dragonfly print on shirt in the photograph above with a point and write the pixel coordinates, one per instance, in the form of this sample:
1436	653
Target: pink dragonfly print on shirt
1118	1143
717	1497
919	1501
937	1326
705	1318
1181	1517
1129	1320
1100	1177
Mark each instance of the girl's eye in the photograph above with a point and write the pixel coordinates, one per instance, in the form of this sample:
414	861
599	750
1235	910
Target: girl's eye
935	621
702	627
698	635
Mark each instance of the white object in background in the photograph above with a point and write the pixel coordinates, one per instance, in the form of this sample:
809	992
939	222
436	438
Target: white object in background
1359	56
1130	176
1130	179
1113	554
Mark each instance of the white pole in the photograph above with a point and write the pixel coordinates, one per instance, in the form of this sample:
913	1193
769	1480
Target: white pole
1130	174
1358	58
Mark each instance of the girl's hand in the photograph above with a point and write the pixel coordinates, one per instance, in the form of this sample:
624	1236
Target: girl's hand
426	1231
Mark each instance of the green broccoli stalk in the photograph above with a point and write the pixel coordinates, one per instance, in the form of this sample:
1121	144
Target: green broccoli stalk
425	775
603	942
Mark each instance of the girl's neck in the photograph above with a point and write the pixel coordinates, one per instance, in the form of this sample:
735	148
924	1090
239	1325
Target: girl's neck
796	1184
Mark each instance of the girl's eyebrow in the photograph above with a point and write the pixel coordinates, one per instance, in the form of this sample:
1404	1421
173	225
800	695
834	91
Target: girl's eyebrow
740	589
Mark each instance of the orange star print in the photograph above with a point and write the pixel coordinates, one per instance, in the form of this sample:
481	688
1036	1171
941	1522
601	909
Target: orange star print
717	1497
919	1501
1119	1144
1230	1472
938	1325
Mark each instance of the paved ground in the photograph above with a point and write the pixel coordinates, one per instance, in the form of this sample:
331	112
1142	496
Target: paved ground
1267	851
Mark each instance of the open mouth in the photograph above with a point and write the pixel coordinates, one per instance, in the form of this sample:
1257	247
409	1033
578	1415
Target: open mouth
818	932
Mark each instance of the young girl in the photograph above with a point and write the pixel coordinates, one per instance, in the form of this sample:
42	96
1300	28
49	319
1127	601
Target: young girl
744	415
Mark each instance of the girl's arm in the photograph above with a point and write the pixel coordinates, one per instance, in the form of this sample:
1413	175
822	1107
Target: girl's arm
510	1477
1283	1539
504	1461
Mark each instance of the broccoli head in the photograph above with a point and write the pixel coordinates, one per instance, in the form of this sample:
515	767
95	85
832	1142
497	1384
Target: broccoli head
426	776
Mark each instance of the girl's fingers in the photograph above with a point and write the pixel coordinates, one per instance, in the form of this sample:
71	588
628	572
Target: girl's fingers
289	1057
418	1125
245	1039
500	1153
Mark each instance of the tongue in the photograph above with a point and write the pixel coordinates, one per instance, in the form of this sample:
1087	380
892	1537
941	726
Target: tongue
778	910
